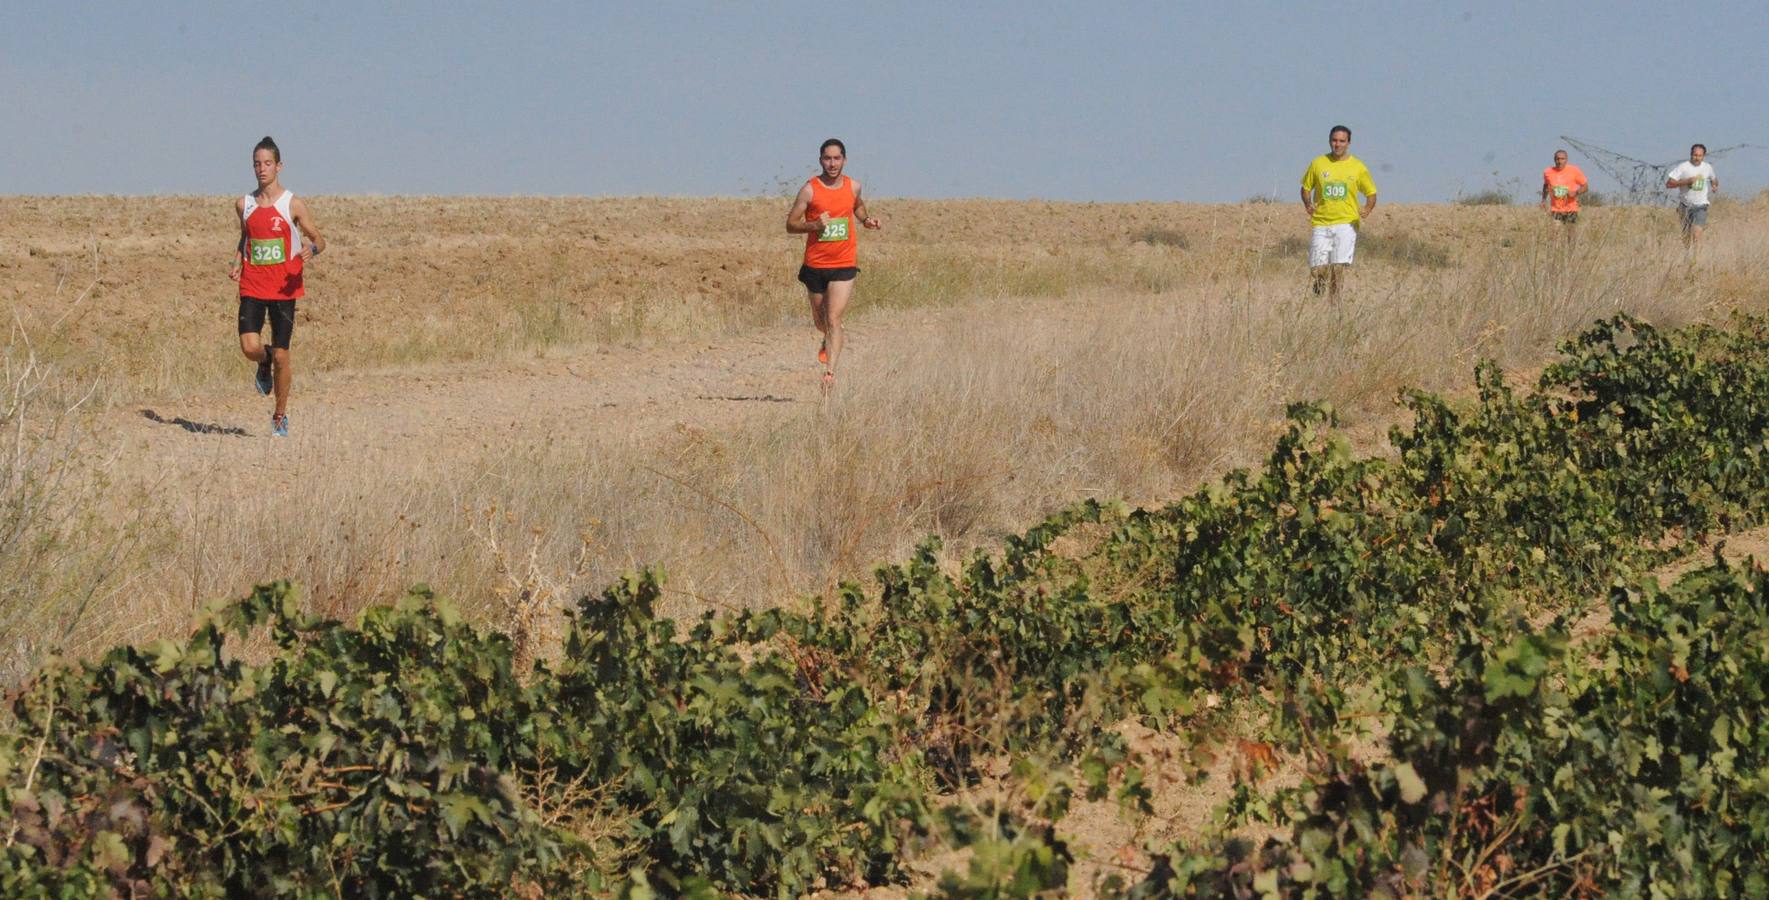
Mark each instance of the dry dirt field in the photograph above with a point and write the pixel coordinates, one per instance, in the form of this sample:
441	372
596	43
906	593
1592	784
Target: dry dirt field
514	400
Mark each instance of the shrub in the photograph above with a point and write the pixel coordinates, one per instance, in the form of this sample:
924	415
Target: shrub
1490	197
786	751
1162	237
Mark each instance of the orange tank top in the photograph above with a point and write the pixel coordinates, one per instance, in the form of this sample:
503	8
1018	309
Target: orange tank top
837	246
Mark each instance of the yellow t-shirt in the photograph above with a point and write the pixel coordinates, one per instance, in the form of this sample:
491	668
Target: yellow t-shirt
1335	186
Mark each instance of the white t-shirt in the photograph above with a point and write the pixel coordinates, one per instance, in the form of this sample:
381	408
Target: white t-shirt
1697	193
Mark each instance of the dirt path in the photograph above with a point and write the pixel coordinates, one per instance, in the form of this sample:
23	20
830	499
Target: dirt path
426	415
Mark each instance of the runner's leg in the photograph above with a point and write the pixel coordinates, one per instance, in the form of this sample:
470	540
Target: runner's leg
819	312
1319	252
251	325
1343	243
836	303
283	380
252	346
282	332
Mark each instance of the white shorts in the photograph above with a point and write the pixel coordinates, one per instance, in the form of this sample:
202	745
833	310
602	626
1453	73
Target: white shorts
1332	244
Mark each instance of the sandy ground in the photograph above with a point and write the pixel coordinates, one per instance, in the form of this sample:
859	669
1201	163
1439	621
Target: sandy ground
429	413
415	418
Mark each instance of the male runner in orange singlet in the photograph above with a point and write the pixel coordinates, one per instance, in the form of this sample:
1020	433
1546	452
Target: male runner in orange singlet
1562	183
825	212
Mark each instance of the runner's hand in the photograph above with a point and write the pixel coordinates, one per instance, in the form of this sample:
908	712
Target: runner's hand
307	254
234	273
871	222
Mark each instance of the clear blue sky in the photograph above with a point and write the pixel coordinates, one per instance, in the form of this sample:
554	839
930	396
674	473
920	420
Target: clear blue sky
1072	101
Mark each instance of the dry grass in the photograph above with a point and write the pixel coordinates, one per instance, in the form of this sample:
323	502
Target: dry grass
1015	358
416	280
60	541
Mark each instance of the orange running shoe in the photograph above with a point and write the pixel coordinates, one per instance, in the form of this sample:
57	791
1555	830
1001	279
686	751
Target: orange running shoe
823	353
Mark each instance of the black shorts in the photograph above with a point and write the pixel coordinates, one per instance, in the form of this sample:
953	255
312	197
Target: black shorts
817	280
1570	218
282	319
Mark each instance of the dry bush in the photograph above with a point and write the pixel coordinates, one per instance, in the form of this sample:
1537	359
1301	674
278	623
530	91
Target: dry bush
1164	237
62	532
1488	197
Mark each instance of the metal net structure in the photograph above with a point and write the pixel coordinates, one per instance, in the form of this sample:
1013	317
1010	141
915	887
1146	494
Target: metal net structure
1641	182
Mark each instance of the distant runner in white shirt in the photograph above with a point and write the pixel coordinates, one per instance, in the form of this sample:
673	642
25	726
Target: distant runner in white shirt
1696	187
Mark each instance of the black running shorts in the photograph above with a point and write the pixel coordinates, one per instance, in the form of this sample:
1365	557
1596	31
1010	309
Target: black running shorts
817	280
280	312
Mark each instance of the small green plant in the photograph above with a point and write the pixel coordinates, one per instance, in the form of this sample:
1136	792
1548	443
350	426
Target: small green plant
1489	197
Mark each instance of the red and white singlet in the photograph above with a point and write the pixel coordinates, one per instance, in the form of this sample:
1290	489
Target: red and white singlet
273	246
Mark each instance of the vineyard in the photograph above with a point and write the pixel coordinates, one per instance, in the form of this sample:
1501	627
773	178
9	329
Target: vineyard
1452	652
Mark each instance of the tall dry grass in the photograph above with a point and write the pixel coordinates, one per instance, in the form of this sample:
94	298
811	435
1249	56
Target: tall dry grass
1015	414
1037	389
63	542
417	280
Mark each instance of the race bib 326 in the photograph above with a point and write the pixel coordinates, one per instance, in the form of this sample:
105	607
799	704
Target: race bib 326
267	251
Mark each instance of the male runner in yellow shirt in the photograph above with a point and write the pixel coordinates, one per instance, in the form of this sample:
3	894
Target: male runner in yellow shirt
1329	192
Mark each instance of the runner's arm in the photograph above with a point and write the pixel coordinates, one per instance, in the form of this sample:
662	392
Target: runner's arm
1309	184
796	222
860	209
304	221
1369	205
239	249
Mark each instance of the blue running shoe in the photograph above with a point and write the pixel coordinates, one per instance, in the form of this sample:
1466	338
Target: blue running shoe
279	426
263	380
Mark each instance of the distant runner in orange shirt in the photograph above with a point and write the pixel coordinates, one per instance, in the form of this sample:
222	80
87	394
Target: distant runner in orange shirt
1561	186
825	212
